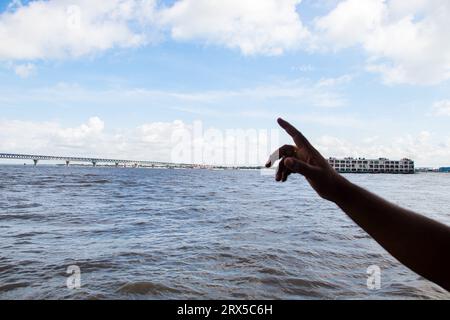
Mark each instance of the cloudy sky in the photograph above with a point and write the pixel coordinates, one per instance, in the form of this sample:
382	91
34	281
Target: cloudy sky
114	78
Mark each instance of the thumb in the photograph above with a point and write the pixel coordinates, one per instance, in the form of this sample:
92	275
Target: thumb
301	167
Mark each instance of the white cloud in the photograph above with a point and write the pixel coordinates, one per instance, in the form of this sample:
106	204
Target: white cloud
406	41
91	129
149	141
323	94
58	29
442	108
157	141
24	70
21	135
63	28
253	26
298	93
350	22
154	141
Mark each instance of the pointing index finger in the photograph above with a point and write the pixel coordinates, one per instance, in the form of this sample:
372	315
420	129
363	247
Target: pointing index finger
299	139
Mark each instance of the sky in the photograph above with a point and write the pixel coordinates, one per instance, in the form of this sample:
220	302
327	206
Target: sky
117	78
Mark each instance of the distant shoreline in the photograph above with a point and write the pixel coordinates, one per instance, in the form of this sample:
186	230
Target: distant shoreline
203	167
193	167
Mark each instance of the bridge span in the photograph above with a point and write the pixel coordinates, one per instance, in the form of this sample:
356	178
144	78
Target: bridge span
93	161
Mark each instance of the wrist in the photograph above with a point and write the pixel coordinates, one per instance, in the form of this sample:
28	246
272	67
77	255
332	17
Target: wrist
343	189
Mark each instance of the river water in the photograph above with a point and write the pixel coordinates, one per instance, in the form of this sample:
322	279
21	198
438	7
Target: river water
182	234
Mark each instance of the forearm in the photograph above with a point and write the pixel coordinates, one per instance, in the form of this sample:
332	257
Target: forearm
420	243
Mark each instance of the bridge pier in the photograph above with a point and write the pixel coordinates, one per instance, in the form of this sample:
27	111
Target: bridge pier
68	160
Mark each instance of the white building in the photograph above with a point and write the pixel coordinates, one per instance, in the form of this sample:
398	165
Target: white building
362	165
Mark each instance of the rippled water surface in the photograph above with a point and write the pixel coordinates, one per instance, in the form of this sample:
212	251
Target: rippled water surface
157	234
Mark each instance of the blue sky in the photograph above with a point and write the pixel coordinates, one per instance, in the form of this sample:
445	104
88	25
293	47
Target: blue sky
148	64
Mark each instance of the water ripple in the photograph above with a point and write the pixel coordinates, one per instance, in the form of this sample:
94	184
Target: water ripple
194	234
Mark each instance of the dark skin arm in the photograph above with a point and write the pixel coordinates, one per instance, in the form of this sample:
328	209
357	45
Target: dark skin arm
420	243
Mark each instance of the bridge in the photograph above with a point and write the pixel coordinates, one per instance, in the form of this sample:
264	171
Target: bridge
93	161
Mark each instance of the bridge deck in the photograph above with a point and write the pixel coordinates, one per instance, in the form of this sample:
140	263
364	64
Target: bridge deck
78	159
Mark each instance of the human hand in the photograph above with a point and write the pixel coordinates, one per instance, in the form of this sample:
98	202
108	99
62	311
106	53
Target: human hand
304	159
